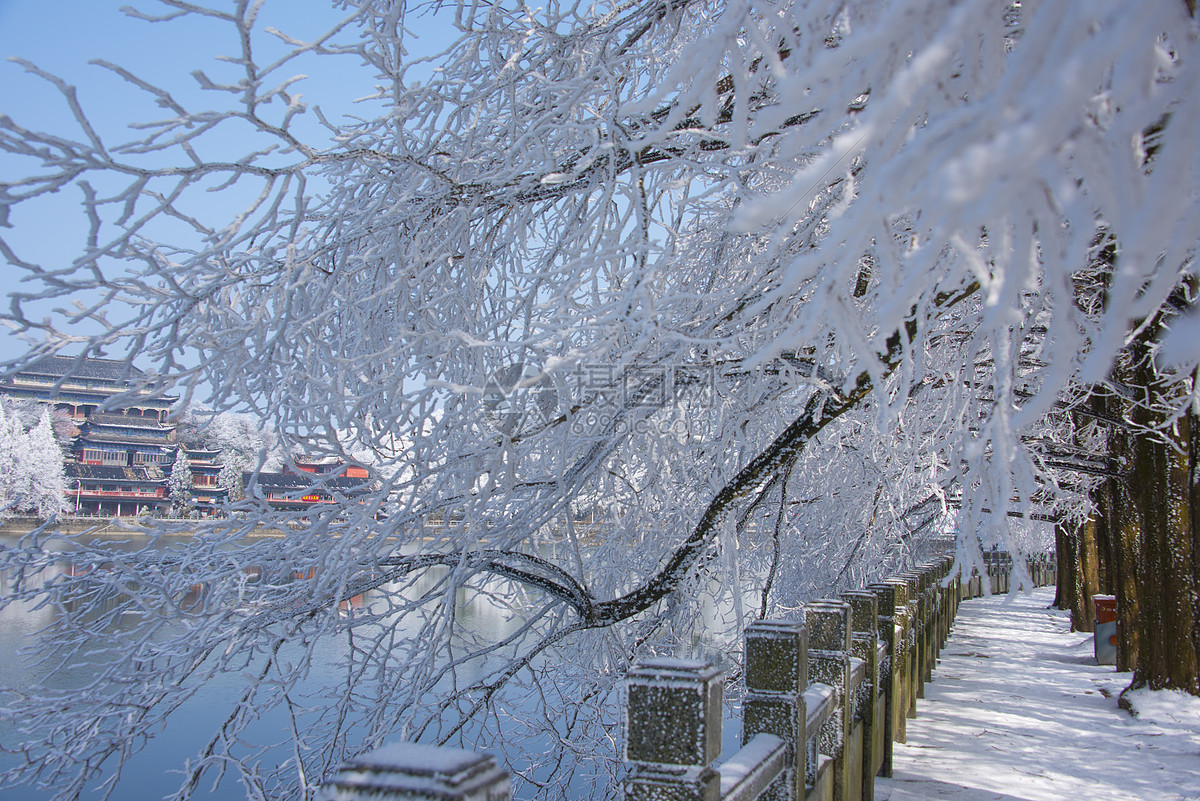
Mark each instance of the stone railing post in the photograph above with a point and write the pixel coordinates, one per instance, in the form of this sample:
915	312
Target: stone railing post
828	623
933	591
864	645
929	601
938	571
776	676
411	772
889	678
956	595
904	660
917	606
673	730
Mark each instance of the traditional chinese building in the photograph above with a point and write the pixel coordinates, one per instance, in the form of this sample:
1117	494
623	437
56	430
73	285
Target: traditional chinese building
125	439
124	446
207	493
104	491
114	466
327	467
78	387
299	490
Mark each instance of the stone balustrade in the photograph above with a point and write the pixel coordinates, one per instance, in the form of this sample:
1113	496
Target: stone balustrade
826	695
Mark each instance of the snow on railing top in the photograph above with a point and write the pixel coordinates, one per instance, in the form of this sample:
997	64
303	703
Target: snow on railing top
868	654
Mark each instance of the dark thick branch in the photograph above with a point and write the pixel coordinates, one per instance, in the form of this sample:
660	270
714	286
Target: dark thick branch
821	410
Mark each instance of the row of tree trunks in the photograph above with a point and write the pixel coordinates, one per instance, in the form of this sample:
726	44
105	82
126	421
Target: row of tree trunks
1142	543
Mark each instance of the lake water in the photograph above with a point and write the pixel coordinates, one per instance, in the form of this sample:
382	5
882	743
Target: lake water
148	774
153	772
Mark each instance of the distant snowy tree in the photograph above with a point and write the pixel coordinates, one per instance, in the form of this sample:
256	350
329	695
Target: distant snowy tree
32	479
777	292
250	438
11	444
229	478
179	485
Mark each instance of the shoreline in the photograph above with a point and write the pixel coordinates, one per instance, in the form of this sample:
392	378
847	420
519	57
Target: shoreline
114	527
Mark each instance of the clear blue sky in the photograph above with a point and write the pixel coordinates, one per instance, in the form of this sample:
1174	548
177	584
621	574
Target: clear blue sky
61	36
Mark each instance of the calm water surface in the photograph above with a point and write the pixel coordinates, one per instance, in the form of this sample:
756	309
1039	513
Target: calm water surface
147	775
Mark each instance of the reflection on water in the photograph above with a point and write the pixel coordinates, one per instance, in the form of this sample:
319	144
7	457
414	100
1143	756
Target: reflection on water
153	772
26	642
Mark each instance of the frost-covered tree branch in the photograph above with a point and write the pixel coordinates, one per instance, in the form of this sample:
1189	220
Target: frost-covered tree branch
613	301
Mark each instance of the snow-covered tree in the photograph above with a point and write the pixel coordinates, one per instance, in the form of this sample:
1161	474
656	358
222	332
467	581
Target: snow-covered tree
230	476
179	485
747	279
32	479
249	438
11	441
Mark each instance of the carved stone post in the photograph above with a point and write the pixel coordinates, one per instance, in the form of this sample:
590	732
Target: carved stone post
956	595
776	674
828	623
410	772
864	645
916	610
917	606
673	730
941	608
993	565
933	594
888	676
904	659
929	590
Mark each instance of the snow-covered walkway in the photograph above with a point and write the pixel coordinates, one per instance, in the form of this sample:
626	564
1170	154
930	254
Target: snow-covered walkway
1018	709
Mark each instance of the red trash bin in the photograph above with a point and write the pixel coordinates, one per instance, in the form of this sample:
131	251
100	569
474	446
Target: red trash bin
1105	633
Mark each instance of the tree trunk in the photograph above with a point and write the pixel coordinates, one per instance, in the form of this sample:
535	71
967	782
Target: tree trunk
1077	578
1158	534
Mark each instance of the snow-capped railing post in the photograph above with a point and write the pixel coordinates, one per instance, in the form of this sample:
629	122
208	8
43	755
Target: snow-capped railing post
889	682
902	659
998	571
929	623
940	624
973	586
919	602
912	643
776	676
829	663
931	599
1040	569
953	591
411	772
673	730
869	701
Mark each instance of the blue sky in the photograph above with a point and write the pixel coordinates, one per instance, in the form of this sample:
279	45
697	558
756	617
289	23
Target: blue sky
61	36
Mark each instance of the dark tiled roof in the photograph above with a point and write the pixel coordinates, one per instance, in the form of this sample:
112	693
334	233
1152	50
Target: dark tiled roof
106	369
128	421
304	482
102	437
96	472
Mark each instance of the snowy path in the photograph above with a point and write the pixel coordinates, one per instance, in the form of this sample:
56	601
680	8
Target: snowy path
1018	710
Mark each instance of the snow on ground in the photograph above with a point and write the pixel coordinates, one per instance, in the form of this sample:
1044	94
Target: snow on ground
1019	709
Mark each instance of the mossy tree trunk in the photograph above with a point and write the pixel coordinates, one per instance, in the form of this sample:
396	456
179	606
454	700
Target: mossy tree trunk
1077	577
1147	521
